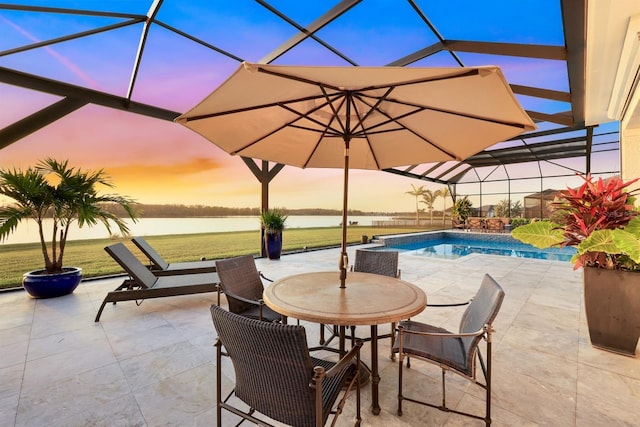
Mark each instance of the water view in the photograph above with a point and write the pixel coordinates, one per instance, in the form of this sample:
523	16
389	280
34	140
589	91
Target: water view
27	232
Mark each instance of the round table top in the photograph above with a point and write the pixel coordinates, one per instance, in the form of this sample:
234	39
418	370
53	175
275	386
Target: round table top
367	299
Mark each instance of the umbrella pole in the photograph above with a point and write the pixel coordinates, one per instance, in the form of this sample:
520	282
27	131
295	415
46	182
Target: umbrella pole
344	259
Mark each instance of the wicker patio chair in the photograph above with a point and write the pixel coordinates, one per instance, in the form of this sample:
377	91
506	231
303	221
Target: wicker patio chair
457	224
241	283
276	376
475	224
455	352
384	263
494	225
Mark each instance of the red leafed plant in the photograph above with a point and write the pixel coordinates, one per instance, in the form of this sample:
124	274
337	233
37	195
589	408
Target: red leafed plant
599	205
598	218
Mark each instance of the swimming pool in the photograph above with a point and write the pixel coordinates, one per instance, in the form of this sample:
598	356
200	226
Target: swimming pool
453	245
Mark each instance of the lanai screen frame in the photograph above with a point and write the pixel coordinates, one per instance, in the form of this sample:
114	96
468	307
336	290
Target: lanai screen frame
562	134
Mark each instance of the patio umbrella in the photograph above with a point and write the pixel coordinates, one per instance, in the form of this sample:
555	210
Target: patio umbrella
358	117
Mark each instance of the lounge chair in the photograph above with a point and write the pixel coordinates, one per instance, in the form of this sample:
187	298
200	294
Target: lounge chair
276	376
143	284
161	267
454	352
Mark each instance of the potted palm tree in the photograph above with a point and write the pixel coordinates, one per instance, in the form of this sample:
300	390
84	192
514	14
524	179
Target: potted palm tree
55	195
272	222
599	220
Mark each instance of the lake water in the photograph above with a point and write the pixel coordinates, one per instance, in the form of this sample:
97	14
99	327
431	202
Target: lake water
27	231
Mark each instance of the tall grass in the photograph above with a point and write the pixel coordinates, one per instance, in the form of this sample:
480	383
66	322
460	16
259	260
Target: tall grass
90	255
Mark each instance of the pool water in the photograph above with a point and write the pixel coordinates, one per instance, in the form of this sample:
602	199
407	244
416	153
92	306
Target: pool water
456	247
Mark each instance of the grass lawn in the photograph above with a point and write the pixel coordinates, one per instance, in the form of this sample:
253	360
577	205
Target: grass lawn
94	261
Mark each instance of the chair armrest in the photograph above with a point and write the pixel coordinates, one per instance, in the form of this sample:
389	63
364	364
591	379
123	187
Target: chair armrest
342	363
248	301
264	277
480	332
455	304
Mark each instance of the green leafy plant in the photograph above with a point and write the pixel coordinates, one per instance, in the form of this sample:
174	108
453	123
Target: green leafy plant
461	208
273	220
599	220
54	190
519	222
504	208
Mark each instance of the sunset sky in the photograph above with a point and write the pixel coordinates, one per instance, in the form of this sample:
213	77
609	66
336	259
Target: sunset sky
156	161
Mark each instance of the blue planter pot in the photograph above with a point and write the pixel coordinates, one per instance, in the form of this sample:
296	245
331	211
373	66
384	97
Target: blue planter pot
273	242
38	284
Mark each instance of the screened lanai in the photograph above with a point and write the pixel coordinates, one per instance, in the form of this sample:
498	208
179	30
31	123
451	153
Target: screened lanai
88	62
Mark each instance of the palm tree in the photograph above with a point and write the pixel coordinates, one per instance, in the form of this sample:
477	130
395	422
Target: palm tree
444	193
417	192
516	209
65	194
501	209
428	198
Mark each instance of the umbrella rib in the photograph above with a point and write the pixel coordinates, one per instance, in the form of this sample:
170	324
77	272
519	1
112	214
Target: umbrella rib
334	117
335	110
258	107
466	73
395	120
361	120
420	108
328	132
375	106
291	123
297	78
457	73
307	115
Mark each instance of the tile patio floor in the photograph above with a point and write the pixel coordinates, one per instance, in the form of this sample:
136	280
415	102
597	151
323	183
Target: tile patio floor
153	365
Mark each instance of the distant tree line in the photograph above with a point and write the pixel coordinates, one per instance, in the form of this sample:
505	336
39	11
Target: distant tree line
192	211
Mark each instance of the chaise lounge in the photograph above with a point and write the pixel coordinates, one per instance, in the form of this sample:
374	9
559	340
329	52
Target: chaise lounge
143	284
161	267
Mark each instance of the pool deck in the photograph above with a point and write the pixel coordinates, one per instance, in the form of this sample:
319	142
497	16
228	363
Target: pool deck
153	365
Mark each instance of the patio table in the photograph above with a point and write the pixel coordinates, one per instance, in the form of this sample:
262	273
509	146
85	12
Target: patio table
368	299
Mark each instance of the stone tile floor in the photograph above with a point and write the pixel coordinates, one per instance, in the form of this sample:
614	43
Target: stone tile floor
153	365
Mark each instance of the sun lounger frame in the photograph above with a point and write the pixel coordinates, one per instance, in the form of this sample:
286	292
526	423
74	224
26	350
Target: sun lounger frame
143	284
159	266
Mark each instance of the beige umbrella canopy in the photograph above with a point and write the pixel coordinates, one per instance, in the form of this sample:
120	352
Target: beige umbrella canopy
358	117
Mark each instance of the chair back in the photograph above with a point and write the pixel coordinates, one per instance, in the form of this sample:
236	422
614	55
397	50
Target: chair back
475	223
132	265
273	368
482	310
150	253
377	262
239	276
494	224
